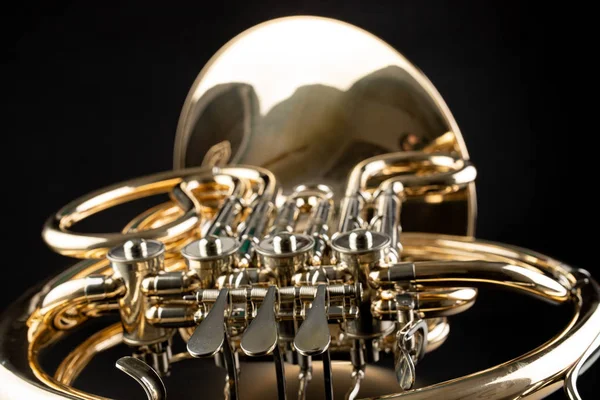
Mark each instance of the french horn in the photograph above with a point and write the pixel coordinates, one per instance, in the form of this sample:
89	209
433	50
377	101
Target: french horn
317	241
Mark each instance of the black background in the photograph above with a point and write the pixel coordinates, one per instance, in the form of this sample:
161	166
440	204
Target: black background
98	89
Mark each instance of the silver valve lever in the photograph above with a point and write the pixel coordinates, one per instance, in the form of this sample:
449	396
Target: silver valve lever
314	338
145	376
261	337
210	337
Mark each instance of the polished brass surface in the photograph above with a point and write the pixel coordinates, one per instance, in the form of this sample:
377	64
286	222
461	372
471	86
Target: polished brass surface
60	239
321	221
542	362
314	97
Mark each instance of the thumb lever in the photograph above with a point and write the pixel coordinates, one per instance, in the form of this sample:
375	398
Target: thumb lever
145	376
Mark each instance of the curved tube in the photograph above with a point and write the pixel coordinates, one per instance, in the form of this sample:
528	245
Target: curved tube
256	223
571	379
91	288
588	358
449	273
318	223
221	224
389	204
95	245
74	363
460	171
433	303
480	272
529	373
443	302
288	213
538	369
455	172
263	204
438	331
145	376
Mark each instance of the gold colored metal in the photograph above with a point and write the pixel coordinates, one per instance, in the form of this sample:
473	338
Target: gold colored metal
60	239
313	98
432	303
348	234
529	374
70	368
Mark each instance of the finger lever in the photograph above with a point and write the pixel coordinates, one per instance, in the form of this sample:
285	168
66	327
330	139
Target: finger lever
261	336
313	337
209	336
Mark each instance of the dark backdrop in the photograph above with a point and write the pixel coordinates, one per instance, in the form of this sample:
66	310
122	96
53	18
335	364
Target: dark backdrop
98	89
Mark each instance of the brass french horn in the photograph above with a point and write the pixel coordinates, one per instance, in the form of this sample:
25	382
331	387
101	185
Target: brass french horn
318	239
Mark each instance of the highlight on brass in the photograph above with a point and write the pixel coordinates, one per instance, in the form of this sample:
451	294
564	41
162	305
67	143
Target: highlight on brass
321	220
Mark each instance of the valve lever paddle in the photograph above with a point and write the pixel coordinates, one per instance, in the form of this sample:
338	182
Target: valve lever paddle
261	337
314	338
210	337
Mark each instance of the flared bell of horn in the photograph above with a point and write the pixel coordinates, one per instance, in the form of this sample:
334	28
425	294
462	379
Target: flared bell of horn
309	98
